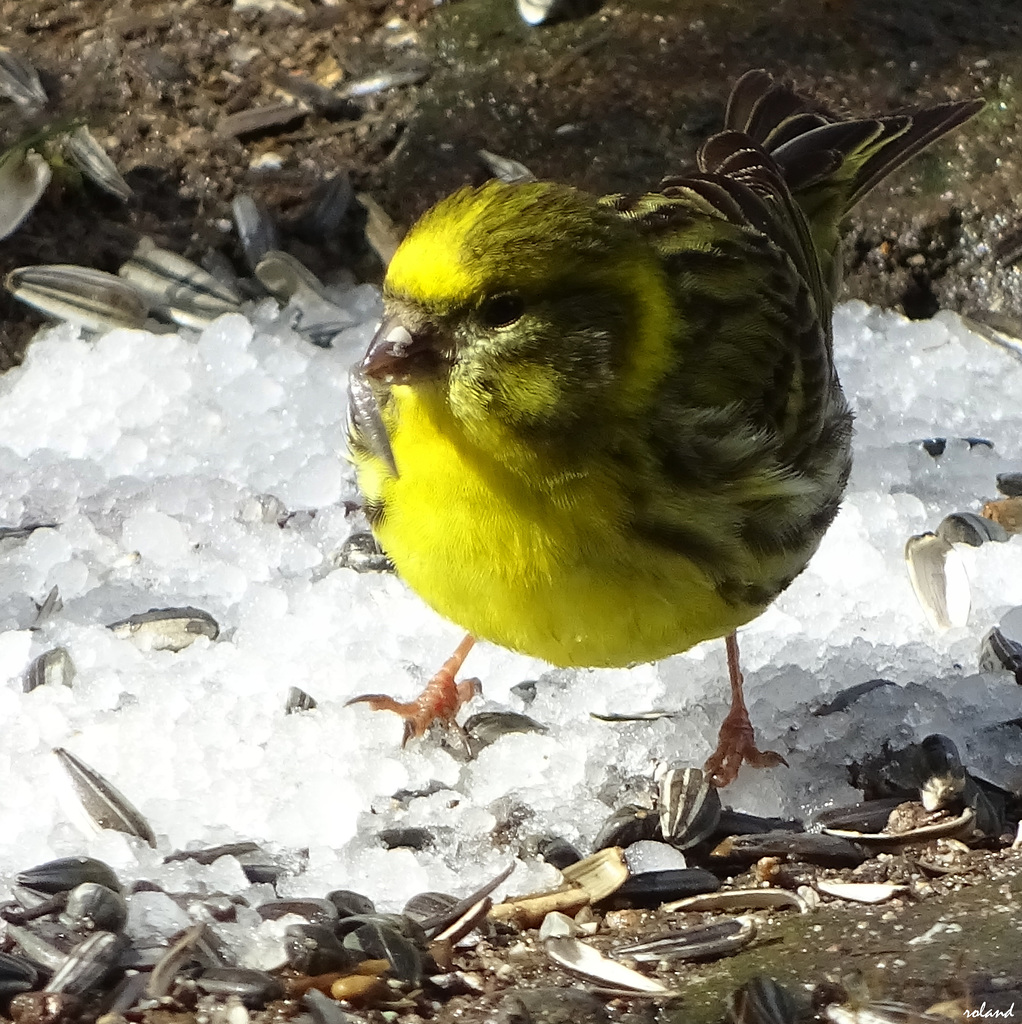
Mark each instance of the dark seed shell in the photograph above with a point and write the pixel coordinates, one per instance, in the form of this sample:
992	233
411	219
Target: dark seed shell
254	988
103	802
826	850
377	941
16	975
625	826
88	964
66	873
315	949
298	700
314	911
762	1001
94	907
702	942
350	904
651	888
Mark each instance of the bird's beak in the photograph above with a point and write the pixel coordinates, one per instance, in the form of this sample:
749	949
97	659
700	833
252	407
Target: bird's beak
399	355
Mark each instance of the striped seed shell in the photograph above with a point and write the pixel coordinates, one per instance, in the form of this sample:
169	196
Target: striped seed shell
23	180
89	298
104	803
939	579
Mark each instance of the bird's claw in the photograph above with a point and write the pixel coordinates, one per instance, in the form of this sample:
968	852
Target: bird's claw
440	701
736	746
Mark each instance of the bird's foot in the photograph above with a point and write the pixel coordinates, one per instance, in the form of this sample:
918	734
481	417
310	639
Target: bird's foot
736	744
736	741
440	700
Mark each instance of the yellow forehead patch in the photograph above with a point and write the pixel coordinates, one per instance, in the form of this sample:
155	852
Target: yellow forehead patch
432	265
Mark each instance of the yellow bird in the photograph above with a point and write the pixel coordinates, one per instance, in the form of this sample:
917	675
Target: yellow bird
599	430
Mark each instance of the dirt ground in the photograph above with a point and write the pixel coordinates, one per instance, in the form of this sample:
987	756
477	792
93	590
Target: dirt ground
610	101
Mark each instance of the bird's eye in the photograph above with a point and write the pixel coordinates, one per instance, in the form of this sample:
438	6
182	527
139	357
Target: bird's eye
501	310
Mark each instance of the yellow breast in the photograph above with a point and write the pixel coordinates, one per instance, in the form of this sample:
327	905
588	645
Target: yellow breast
545	567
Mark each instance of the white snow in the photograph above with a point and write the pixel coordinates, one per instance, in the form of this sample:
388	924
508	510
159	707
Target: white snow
208	470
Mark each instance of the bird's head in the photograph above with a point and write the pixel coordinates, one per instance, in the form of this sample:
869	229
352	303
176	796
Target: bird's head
526	311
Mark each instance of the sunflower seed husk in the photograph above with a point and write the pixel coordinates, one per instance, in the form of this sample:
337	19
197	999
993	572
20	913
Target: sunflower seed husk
1010	484
629	824
583	959
321	219
88	964
52	604
762	1001
36	948
999	329
599	874
362	553
23	179
255	228
80	295
92	160
869	816
739	899
380	81
1001	652
699	943
254	988
320	98
469	920
324	1010
93	907
127	993
878	1013
653	888
826	850
556	850
21	532
860	892
689	807
844	699
939	579
529	911
297	701
487	727
364	417
179	953
350	904
936	446
65	873
505	168
381	232
261	119
376	940
105	804
315	949
443	919
287	278
16	975
19	81
425	905
970	528
314	911
51	668
957	826
209	854
653	715
186	293
166	629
